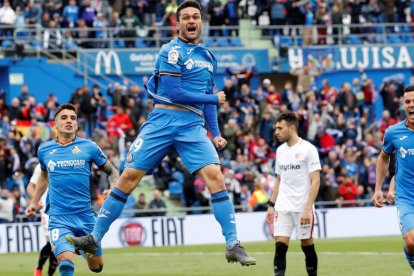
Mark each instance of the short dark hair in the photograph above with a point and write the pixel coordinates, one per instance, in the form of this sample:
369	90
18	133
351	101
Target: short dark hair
63	107
409	88
187	4
290	118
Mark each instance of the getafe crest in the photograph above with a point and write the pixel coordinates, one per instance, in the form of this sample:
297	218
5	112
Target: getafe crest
130	158
76	150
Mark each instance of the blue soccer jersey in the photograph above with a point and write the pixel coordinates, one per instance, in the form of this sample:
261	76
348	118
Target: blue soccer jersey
400	139
69	173
194	63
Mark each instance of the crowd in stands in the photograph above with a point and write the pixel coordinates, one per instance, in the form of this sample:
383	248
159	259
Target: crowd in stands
340	121
71	24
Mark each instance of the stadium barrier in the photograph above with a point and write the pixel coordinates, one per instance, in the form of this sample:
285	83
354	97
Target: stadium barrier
203	229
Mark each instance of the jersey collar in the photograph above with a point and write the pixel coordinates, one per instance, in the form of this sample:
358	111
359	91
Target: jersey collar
64	144
406	124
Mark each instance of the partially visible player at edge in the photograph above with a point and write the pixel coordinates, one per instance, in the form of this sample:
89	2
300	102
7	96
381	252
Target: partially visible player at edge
182	88
399	138
66	165
292	203
46	251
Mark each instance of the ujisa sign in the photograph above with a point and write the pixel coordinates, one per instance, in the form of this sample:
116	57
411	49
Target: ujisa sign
366	57
105	59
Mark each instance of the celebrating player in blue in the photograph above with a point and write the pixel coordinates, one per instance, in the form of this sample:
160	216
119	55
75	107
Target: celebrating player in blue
66	163
399	138
182	88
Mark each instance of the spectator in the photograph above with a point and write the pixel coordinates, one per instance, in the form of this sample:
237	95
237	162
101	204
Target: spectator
231	17
71	14
348	190
129	22
157	205
141	206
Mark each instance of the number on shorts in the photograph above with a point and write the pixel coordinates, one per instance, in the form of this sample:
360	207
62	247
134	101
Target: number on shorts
54	234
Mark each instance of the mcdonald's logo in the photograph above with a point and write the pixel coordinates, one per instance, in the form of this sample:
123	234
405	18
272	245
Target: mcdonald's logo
107	58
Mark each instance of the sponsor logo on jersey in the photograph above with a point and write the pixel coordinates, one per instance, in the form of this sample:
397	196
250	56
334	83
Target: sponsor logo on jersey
289	167
173	56
402	138
53	151
76	163
76	150
203	64
404	152
189	64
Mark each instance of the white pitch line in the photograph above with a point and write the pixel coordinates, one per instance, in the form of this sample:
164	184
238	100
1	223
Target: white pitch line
199	253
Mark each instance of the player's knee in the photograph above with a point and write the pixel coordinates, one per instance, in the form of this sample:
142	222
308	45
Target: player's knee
409	244
96	269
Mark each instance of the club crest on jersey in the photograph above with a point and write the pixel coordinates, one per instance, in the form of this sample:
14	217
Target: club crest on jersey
173	56
76	150
130	158
51	165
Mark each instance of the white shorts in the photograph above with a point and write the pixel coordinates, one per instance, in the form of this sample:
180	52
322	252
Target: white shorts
285	222
45	224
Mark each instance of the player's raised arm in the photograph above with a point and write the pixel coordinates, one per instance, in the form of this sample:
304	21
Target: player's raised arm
40	189
382	168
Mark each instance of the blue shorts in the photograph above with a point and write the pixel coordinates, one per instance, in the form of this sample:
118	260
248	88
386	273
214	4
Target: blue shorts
79	224
406	217
166	130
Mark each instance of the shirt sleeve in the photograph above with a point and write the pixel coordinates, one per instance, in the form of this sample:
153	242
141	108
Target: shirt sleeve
40	157
35	175
170	61
314	163
98	157
277	168
387	145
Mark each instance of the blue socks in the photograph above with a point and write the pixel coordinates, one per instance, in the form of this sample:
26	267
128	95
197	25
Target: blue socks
66	268
224	213
110	211
409	257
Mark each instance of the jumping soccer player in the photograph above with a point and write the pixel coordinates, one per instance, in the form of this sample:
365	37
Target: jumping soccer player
297	184
66	162
399	138
182	88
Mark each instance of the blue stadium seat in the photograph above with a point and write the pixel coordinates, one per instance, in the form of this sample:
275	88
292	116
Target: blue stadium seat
139	43
7	44
353	39
210	42
236	42
380	39
176	187
407	38
299	40
393	39
285	41
223	42
117	44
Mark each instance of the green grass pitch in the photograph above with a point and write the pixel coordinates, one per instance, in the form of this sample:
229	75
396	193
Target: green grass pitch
340	257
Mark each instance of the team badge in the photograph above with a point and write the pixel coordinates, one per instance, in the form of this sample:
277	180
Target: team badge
130	158
173	56
76	150
189	64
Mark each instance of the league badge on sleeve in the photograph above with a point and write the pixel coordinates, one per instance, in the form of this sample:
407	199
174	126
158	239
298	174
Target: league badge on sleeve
76	150
130	158
173	56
